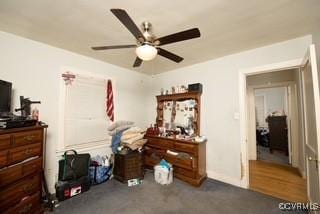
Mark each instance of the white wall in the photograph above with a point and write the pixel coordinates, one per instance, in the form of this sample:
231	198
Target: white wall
316	37
34	69
220	99
275	99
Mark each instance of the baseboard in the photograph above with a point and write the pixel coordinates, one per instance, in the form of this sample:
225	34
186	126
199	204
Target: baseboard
224	178
302	173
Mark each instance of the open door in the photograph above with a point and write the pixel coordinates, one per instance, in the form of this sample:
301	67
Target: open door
311	105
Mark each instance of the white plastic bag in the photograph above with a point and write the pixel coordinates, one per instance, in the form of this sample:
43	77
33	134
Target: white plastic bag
163	175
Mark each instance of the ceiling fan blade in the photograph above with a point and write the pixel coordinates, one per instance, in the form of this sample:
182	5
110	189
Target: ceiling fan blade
113	47
137	62
169	55
128	23
181	36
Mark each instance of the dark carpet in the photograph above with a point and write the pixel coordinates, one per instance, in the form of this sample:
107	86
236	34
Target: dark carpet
179	197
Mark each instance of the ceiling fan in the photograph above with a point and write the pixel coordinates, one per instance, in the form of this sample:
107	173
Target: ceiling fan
148	45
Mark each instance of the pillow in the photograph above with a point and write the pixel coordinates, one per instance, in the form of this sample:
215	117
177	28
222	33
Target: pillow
119	123
119	129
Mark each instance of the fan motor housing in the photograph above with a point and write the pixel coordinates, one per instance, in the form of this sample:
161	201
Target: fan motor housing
147	32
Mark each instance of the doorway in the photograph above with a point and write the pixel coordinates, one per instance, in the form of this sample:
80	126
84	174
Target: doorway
309	125
271	119
274	133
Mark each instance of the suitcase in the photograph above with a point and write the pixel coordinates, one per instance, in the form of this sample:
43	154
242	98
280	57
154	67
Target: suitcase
68	189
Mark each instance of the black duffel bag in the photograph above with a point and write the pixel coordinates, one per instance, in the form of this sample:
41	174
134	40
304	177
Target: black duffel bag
73	166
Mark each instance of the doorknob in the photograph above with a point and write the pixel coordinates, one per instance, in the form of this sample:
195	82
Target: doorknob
312	159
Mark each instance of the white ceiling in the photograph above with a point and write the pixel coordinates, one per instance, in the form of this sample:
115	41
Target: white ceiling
226	26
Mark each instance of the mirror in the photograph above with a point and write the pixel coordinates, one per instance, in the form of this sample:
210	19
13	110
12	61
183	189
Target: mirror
179	114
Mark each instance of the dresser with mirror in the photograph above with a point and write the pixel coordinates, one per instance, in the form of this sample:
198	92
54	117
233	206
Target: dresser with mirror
178	122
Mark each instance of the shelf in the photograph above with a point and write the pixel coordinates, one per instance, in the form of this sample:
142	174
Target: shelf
179	96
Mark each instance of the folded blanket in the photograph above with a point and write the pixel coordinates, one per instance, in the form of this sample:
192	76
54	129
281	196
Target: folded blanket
128	136
133	129
136	145
133	139
118	124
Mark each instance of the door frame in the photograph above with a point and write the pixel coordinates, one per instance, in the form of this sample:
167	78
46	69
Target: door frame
315	68
292	118
243	114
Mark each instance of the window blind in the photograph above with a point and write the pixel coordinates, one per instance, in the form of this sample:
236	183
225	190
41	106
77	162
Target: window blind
86	121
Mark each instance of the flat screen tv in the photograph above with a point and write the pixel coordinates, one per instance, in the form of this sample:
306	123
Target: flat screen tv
5	96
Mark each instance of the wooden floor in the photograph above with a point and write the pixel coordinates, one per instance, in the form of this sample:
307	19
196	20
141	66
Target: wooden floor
277	180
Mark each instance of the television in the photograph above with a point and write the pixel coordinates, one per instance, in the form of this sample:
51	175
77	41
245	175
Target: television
5	96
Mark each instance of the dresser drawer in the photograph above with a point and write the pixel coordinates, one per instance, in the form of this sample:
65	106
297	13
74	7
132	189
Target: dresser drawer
186	163
13	194
32	166
28	137
162	144
151	162
23	152
185	147
29	205
5	141
185	172
4	158
12	174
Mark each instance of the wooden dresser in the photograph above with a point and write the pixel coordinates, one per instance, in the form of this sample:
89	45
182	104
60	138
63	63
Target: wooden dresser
278	131
21	165
188	157
189	165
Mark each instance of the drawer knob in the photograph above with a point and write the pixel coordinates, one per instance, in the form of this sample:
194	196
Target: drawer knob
29	138
28	151
27	189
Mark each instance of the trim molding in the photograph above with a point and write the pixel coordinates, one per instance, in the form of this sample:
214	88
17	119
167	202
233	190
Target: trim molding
85	148
243	73
224	178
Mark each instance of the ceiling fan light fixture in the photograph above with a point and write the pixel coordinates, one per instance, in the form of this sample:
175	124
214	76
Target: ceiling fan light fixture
146	52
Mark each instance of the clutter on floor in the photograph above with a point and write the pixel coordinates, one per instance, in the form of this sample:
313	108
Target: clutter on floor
73	175
100	169
134	182
113	197
73	166
262	136
70	188
163	173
